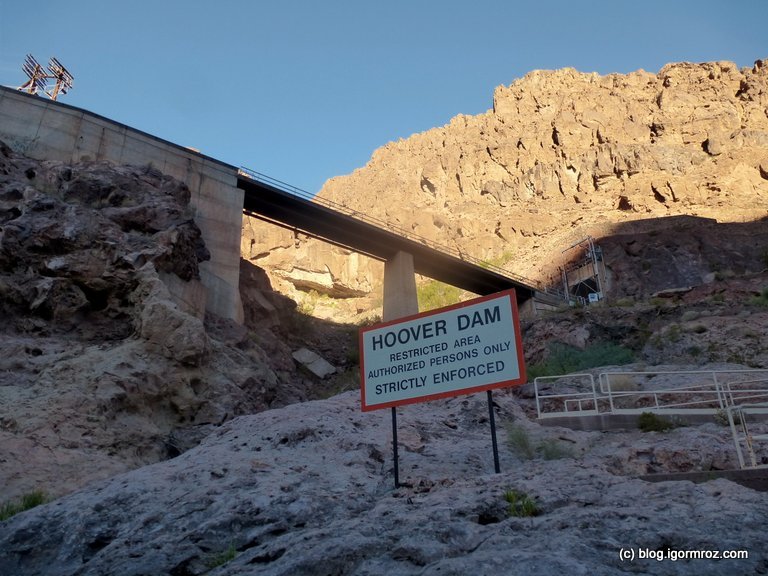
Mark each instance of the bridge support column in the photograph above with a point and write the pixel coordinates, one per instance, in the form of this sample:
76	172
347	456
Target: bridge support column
399	287
400	300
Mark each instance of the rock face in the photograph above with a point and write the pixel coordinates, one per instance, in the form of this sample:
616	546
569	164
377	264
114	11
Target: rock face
101	371
565	154
328	281
73	237
308	490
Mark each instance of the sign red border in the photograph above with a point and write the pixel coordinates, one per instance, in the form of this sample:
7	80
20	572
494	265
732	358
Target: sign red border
522	379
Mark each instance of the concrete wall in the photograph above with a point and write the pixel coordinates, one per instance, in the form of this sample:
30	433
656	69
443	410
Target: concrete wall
47	130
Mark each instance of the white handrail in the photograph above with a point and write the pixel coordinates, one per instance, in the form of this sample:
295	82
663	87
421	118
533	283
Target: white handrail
742	410
711	396
591	394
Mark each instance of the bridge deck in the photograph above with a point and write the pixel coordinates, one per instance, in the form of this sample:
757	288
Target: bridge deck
269	202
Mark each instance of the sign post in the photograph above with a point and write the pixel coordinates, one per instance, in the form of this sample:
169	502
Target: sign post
470	347
394	447
492	419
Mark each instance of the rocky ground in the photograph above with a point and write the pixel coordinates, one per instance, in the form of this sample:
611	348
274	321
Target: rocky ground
723	321
308	490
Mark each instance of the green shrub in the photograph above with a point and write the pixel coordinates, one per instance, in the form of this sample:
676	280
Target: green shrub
694	351
690	316
433	294
761	300
721	418
650	422
564	359
519	442
520	504
28	501
673	333
552	449
222	557
549	449
499	261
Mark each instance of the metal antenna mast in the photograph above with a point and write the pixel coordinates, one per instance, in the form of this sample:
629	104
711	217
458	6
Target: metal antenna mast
62	76
35	73
38	77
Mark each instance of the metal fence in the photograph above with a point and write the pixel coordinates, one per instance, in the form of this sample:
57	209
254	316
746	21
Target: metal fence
693	392
741	396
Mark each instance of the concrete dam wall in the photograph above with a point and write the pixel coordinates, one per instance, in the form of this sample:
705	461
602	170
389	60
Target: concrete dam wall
46	130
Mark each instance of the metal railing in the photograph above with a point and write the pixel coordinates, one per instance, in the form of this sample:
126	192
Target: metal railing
712	391
379	223
589	397
723	392
737	418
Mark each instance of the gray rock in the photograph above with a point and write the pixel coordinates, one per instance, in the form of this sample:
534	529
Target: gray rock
313	362
308	490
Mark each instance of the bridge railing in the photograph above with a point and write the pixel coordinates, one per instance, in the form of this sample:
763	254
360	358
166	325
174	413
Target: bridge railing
379	223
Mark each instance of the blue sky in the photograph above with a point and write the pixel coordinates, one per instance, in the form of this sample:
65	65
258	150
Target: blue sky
305	90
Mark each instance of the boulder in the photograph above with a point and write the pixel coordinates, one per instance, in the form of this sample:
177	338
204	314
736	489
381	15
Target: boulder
313	362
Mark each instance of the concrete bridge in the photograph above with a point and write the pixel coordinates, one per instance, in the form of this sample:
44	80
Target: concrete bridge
48	130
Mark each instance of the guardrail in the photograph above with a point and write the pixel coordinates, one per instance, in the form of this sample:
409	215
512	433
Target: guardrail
379	223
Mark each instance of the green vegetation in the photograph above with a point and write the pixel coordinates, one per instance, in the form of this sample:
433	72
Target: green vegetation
694	351
309	303
222	557
519	442
344	381
498	262
552	449
718	297
521	505
28	501
433	294
650	422
721	418
761	300
564	359
672	333
548	449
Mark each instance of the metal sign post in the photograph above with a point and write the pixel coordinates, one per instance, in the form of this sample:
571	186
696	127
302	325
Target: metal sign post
394	447
492	418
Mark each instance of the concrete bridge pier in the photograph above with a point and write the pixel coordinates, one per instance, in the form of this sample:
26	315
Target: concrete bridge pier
400	298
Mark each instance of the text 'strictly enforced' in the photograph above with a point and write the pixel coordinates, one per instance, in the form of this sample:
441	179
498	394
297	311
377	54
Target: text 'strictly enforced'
470	347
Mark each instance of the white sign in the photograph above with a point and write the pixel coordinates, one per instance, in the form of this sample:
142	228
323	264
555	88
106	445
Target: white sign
466	348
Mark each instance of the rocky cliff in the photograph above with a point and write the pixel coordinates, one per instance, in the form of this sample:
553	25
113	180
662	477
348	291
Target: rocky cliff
564	155
101	370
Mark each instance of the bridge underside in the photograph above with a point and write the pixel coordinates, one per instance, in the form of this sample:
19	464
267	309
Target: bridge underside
284	209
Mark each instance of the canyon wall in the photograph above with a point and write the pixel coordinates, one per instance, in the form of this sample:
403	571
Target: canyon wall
563	155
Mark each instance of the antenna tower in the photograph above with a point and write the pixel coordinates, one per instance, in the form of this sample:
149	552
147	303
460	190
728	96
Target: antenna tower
38	77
